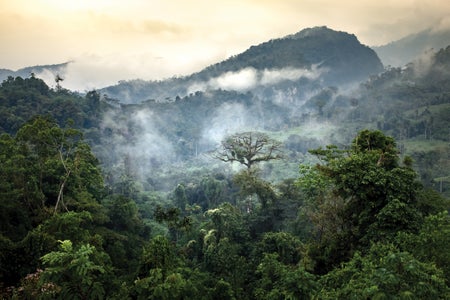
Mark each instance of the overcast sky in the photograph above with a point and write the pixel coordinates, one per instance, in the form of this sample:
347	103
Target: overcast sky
155	39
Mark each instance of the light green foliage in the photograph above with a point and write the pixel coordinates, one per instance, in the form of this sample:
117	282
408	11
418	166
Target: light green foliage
311	183
76	271
224	246
222	258
180	283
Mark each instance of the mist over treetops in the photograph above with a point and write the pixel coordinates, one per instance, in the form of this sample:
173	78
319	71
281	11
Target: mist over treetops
301	168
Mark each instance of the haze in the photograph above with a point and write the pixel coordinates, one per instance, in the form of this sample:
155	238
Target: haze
111	40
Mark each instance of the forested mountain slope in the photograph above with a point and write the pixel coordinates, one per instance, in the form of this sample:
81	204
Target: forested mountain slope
158	199
410	103
44	70
399	53
313	56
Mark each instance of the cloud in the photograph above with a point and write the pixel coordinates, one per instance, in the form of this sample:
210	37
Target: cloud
189	35
277	75
249	78
94	71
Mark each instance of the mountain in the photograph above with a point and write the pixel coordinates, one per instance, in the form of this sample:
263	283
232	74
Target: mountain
155	141
313	55
43	71
405	50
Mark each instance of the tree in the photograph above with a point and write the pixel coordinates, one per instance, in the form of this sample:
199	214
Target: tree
280	281
384	273
175	222
78	272
431	243
248	148
159	254
371	197
250	185
285	245
66	170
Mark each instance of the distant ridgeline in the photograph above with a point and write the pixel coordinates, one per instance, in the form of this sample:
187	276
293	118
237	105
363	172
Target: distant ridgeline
39	71
311	57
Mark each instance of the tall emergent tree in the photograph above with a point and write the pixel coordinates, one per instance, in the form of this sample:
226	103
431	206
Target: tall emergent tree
371	196
248	148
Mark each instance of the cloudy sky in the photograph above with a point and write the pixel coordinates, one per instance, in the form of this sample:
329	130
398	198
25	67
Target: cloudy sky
109	40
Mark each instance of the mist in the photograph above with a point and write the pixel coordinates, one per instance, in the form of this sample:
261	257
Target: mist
250	78
227	119
137	145
89	71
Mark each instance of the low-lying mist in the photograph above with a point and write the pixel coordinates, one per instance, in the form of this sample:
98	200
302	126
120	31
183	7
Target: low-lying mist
162	142
250	78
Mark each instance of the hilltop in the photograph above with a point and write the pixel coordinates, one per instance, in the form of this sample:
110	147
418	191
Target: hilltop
312	56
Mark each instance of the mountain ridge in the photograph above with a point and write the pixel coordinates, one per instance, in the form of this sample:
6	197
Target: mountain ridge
400	52
338	56
37	70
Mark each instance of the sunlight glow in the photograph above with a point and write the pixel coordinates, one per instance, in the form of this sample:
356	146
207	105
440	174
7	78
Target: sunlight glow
73	6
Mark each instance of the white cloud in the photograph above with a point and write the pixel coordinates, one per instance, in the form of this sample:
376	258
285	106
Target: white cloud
277	75
248	78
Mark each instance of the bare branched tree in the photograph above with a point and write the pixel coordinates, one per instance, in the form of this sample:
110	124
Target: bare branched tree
248	148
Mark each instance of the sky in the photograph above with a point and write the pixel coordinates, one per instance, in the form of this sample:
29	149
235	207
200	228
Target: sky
112	40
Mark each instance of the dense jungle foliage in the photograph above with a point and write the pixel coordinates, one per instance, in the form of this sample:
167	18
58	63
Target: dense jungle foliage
364	217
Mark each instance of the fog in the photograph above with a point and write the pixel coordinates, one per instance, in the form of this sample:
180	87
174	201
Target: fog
228	119
423	63
249	78
136	142
88	72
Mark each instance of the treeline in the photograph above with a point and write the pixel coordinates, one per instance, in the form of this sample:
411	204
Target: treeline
410	104
359	224
78	222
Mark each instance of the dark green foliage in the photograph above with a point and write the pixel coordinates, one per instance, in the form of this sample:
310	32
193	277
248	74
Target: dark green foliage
286	246
280	281
385	273
430	243
21	99
359	224
356	197
372	196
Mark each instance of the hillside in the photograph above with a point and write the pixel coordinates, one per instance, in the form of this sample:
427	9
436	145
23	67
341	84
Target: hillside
409	104
39	71
311	56
256	184
399	53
